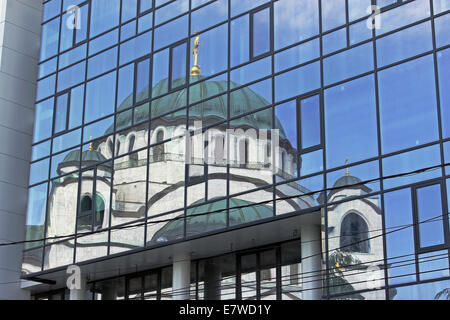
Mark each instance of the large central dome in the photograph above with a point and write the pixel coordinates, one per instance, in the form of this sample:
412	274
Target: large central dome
241	101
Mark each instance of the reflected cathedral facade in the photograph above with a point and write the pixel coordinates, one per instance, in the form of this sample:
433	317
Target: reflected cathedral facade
224	150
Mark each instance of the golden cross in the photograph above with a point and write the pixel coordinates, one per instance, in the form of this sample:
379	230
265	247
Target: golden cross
195	70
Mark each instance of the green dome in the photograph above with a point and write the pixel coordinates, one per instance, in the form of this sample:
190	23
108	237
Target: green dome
73	158
201	223
346	181
241	101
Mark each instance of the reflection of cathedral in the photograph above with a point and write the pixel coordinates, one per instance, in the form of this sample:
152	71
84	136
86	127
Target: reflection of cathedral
149	184
354	227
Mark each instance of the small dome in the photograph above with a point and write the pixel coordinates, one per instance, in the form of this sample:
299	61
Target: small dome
346	181
73	158
246	212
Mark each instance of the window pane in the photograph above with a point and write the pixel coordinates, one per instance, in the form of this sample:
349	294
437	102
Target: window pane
43	120
39	171
240	40
179	65
333	14
210	15
433	265
358	9
261	32
404	44
71	76
61	113
423	291
45	87
403	15
252	71
213	52
76	106
408	92
105	15
442	34
286	122
441	5
143	78
103	42
348	63
51	9
125	87
37	201
359	32
135	48
66	141
287	17
128	30
171	32
171	11
334	41
100	96
297	81
429	206
102	62
239	6
443	59
411	161
351	122
50	37
129	9
310	121
160	72
399	240
297	55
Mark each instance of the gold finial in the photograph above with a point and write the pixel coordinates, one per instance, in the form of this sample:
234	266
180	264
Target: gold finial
195	70
346	163
90	144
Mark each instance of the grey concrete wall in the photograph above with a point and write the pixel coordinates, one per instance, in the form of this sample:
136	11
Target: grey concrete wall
19	53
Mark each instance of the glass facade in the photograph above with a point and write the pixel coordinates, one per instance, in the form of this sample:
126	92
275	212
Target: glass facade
137	144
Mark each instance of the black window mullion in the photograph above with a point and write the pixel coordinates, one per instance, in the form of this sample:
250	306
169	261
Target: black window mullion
251	36
69	98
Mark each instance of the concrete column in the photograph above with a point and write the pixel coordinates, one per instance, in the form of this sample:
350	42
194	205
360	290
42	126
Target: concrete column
311	262
213	277
181	276
19	54
79	294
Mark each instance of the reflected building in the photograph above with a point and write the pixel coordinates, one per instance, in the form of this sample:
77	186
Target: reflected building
240	150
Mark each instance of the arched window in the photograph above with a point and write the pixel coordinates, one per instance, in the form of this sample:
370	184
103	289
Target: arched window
133	156
159	149
85	219
354	234
85	213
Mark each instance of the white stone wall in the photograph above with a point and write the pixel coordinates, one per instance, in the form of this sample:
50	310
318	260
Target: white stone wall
129	189
19	53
